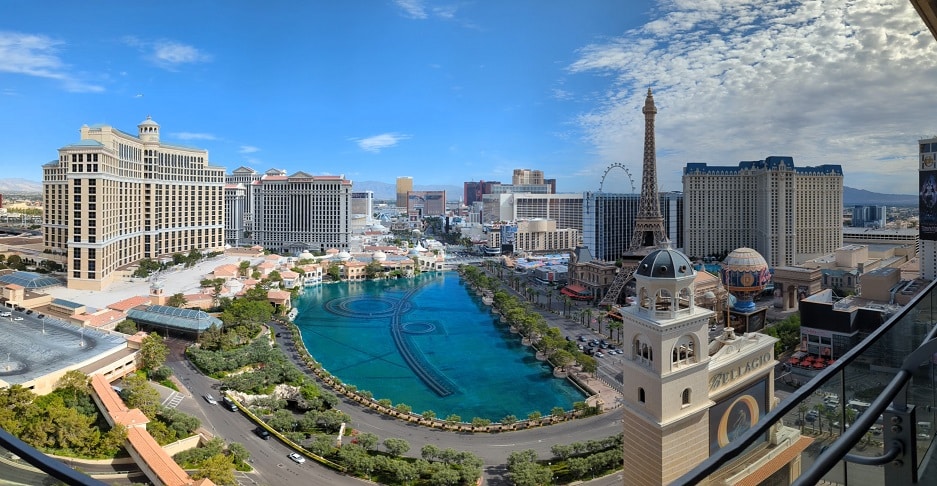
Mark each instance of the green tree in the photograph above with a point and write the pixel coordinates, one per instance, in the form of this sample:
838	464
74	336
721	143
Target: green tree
238	452
153	352
126	326
396	447
176	300
74	380
368	441
218	468
138	393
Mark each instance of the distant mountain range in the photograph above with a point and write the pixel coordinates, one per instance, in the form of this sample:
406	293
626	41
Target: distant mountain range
854	197
388	192
19	186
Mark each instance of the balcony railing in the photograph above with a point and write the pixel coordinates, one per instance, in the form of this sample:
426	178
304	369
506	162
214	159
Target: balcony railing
879	428
46	465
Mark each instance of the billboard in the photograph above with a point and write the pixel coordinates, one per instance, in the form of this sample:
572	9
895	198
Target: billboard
928	204
734	415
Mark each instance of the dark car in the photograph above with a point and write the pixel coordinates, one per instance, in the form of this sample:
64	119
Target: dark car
262	433
229	404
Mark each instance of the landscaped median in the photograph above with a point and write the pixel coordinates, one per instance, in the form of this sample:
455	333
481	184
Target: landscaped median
284	439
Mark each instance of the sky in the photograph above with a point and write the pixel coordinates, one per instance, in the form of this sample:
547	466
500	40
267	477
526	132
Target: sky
466	90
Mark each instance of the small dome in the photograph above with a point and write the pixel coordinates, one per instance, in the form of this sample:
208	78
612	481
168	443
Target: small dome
234	285
344	255
306	256
665	264
149	122
379	256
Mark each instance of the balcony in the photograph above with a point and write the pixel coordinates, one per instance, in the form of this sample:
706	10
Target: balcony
872	414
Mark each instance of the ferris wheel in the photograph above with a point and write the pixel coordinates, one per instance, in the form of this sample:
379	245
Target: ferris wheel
619	166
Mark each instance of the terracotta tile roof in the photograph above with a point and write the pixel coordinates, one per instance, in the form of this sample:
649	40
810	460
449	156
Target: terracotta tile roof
168	472
227	270
102	318
127	304
289	274
13	286
278	295
112	403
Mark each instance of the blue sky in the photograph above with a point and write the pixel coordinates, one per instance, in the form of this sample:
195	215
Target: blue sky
448	92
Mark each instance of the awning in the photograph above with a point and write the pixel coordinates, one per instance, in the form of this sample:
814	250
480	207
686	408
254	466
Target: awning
576	292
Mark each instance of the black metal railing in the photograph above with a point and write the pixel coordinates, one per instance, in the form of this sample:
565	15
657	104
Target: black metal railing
885	386
44	463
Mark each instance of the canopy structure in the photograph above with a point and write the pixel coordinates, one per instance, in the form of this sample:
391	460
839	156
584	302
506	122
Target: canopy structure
173	318
30	280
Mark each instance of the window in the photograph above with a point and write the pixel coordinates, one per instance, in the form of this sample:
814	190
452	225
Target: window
686	396
641	395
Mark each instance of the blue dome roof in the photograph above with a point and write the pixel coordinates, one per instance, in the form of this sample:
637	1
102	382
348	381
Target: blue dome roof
665	264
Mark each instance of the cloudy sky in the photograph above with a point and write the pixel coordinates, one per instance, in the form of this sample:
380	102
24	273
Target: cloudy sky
447	92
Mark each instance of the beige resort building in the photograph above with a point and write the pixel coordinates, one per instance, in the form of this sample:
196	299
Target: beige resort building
112	199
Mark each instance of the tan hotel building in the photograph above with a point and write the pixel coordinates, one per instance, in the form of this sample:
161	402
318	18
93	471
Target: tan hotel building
112	199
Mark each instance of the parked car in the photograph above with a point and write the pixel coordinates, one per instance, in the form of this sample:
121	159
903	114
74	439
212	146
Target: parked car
298	459
812	416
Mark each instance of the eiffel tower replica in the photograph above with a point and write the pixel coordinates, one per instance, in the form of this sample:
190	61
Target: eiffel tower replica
648	232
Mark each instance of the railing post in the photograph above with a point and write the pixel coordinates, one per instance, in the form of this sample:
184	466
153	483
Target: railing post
900	425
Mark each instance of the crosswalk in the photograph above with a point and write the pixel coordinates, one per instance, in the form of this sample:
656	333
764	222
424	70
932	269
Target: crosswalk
173	400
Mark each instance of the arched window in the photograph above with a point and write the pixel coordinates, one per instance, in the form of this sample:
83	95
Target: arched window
685	299
642	350
664	300
684	351
686	396
641	395
643	299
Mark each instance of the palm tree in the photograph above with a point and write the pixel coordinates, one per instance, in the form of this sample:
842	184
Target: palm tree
615	325
598	321
549	300
588	315
802	412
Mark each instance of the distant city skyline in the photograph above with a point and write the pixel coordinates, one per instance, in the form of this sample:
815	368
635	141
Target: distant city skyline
448	93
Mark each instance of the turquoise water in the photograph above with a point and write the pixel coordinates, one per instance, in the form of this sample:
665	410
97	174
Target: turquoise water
429	343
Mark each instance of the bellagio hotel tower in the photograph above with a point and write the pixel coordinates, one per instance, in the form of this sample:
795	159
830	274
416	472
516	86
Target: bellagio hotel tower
112	199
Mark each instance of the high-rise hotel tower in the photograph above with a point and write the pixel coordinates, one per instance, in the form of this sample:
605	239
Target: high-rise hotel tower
787	213
112	199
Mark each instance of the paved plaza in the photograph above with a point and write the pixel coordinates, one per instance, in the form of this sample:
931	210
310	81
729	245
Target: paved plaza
174	281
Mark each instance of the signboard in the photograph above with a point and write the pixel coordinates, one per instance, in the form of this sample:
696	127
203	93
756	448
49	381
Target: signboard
731	417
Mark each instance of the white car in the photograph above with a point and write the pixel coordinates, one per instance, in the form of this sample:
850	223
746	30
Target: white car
210	399
17	318
298	459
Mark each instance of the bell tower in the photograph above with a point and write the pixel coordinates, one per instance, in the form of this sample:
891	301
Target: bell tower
666	399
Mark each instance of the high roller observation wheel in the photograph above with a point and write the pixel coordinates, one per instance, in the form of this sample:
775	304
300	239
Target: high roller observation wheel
619	166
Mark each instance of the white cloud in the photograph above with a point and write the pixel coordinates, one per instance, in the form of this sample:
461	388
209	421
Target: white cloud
174	53
416	9
379	142
168	54
194	136
248	149
825	81
412	8
37	55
